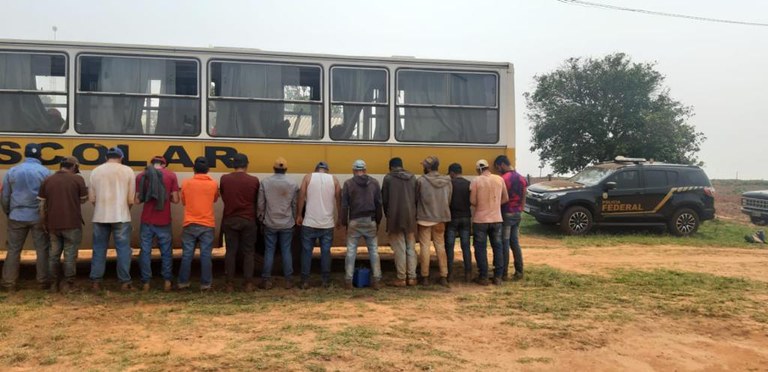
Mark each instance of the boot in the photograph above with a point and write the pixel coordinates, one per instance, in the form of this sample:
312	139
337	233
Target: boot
444	282
481	281
398	283
411	282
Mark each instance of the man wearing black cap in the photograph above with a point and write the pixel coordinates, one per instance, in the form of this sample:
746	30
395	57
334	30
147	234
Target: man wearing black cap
21	186
112	191
60	198
319	197
239	191
156	187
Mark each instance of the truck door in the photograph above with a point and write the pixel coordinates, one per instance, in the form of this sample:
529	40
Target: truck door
625	202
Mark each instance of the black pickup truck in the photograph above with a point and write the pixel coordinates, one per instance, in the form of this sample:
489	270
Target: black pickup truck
755	205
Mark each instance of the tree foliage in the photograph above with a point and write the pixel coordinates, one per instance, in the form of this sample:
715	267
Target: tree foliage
593	110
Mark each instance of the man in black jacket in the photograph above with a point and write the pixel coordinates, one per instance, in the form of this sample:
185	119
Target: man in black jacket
398	194
361	213
460	222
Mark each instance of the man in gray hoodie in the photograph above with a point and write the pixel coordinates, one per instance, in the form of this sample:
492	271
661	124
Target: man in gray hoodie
398	194
433	200
360	214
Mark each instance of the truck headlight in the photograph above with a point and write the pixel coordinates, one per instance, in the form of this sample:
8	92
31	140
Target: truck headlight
552	195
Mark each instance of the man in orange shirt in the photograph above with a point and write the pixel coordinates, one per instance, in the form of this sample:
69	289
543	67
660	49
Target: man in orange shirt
198	195
487	193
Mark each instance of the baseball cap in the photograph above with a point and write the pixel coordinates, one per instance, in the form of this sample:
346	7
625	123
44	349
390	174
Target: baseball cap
358	165
73	161
240	161
481	164
280	163
322	164
115	152
430	161
32	150
158	159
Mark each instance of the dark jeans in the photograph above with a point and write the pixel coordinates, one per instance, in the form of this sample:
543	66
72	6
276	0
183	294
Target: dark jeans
67	242
484	231
121	233
459	226
17	234
239	235
308	237
190	236
163	235
510	239
271	238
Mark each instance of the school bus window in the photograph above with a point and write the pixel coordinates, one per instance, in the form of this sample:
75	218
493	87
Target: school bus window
265	100
445	106
359	104
33	92
134	95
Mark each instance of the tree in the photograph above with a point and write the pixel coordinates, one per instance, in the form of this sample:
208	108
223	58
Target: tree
593	110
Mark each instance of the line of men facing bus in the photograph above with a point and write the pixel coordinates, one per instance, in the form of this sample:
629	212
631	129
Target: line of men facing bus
433	209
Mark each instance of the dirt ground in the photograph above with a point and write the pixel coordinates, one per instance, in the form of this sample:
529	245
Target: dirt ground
463	328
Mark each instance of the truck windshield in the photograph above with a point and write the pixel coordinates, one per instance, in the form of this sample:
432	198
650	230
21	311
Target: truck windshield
591	176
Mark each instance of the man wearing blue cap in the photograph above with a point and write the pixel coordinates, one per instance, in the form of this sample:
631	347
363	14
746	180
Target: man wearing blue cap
361	211
19	199
112	192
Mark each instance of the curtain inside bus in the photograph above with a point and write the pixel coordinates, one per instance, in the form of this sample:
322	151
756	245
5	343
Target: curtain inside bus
359	86
251	119
22	112
448	124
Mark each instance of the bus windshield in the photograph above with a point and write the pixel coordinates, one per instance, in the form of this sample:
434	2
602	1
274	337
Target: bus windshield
591	176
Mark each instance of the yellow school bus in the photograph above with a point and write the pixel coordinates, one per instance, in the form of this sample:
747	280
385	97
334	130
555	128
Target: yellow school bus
81	98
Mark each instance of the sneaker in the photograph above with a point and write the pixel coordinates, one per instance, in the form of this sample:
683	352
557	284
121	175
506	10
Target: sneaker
54	288
183	286
761	234
517	277
145	287
412	282
206	288
126	287
481	281
348	284
167	286
444	282
266	284
376	285
398	283
497	280
248	287
288	284
304	284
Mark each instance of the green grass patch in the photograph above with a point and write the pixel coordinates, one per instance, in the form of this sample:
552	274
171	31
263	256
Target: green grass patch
529	360
618	297
714	233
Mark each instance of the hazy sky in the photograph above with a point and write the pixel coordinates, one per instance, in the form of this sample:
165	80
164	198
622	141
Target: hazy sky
719	69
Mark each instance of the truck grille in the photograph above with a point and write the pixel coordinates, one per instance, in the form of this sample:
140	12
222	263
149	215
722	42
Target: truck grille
752	203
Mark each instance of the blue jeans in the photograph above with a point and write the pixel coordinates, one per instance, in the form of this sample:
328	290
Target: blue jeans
190	236
365	228
308	237
483	231
510	239
121	233
272	237
460	225
148	234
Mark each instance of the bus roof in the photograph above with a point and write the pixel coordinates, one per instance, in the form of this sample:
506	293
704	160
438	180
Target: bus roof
234	51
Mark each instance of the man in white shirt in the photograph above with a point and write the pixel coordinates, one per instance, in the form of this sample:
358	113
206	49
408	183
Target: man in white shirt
112	189
319	196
